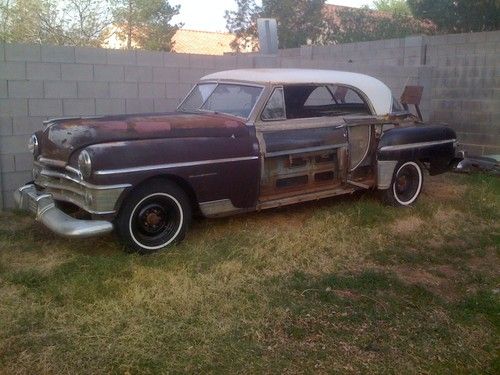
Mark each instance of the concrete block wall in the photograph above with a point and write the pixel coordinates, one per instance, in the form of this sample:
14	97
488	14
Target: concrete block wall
461	79
466	87
40	82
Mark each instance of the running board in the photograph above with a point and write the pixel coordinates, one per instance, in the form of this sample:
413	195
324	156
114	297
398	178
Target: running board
359	184
304	198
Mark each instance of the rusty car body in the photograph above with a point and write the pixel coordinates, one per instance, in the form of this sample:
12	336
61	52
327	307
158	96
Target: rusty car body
242	140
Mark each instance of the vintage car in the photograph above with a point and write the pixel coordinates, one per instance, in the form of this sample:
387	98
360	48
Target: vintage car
241	140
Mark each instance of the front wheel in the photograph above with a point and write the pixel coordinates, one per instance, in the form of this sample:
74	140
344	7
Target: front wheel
406	184
155	215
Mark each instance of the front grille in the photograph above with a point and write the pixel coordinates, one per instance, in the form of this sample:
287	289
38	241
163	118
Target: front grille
65	184
32	205
58	180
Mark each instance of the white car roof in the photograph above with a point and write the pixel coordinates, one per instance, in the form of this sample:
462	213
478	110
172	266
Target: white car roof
376	91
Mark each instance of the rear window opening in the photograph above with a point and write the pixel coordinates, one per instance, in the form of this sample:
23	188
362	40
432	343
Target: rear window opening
318	101
309	101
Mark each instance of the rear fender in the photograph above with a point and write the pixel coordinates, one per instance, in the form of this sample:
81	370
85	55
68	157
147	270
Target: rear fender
428	143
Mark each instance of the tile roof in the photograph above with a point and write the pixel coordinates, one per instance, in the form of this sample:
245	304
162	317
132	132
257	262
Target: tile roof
202	42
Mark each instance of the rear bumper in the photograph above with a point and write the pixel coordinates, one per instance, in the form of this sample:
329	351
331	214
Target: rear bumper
43	207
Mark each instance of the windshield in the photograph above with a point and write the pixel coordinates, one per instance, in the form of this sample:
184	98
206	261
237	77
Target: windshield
233	99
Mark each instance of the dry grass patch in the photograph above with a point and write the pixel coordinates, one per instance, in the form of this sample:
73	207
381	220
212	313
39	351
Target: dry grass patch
343	285
438	188
435	282
407	225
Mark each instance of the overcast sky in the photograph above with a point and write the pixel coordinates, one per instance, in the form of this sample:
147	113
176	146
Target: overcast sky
209	14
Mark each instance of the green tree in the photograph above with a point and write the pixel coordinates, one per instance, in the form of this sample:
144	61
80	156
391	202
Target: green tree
348	25
243	23
5	13
86	21
399	7
459	15
70	22
299	21
145	23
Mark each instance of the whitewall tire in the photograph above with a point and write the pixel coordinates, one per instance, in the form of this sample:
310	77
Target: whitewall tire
406	184
154	215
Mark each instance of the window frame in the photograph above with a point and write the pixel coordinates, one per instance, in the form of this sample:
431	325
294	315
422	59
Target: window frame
217	83
361	94
274	88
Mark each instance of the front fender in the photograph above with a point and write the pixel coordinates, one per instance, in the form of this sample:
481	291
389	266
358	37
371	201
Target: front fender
215	168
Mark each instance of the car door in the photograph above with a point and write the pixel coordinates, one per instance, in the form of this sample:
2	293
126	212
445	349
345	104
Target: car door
303	144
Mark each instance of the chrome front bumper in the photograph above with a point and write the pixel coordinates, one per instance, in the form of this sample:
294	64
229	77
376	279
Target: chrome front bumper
43	207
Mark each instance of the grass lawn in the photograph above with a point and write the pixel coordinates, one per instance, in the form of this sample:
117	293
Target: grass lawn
342	285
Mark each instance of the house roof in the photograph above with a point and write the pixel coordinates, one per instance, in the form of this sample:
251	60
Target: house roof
202	42
376	91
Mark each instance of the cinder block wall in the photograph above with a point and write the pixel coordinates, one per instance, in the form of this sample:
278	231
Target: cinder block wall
40	82
466	87
463	89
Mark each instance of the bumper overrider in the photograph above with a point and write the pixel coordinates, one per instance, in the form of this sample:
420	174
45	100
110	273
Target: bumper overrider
42	205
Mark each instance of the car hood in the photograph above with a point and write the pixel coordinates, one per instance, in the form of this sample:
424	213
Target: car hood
61	137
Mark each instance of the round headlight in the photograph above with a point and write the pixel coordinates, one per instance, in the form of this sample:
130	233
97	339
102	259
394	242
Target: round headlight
33	145
85	164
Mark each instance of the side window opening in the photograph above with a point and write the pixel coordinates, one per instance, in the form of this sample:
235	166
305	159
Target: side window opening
275	107
319	96
345	95
307	101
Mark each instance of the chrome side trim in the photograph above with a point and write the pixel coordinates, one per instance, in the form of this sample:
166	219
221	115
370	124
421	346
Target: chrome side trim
172	165
414	145
304	150
385	170
203	175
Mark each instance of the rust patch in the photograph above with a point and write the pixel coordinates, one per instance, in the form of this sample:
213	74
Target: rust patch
145	125
231	124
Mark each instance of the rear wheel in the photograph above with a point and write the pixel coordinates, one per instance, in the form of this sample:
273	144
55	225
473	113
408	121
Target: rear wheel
155	215
406	184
